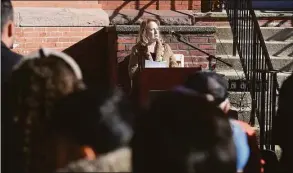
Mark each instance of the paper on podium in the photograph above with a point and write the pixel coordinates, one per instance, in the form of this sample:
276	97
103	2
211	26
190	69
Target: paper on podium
156	64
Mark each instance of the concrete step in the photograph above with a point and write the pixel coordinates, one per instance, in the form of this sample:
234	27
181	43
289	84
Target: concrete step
237	74
269	33
240	99
243	113
275	48
277	61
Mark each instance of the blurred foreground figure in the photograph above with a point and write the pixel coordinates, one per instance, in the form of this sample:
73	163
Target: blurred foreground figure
91	130
285	111
38	81
183	132
8	60
248	154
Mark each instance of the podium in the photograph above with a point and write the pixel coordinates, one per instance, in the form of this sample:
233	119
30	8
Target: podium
157	79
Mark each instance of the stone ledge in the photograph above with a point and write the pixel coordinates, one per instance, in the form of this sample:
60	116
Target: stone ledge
168	29
178	17
60	17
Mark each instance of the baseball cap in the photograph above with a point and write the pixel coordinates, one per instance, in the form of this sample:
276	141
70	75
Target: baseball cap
208	83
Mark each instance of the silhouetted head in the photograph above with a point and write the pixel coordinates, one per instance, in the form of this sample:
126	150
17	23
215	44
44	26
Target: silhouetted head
183	131
7	23
90	123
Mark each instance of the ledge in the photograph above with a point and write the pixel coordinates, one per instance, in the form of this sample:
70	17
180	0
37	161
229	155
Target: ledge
45	16
179	17
168	29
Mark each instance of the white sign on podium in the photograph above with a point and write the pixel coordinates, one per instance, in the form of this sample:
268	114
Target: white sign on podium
156	64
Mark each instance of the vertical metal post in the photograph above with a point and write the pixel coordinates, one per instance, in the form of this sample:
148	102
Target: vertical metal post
253	81
274	111
262	110
235	27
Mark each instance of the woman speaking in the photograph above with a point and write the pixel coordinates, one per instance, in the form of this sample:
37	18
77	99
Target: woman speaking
151	47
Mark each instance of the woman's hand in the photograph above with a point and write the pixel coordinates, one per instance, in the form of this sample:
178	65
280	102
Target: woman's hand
149	56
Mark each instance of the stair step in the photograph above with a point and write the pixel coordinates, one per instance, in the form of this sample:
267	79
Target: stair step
269	33
277	61
237	74
275	48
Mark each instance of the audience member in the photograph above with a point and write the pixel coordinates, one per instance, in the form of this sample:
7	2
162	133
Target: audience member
150	46
38	81
183	132
92	131
8	60
247	149
285	113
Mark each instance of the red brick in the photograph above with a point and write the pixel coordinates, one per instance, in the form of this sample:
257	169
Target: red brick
76	29
88	33
184	52
121	47
212	40
38	29
196	53
64	39
31	45
193	39
67	44
43	34
34	39
69	33
52	39
49	45
29	34
126	40
182	46
88	29
55	34
207	46
28	29
174	46
49	29
75	39
64	29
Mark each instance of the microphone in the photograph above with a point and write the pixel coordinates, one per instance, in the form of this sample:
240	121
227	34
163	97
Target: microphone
175	34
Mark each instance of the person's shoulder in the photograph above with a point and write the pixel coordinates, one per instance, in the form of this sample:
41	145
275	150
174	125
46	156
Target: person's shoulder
250	131
7	53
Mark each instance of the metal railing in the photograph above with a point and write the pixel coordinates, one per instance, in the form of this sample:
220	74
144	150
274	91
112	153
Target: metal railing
257	66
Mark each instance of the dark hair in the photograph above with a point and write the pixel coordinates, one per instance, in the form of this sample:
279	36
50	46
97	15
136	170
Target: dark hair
183	133
100	119
35	87
6	12
208	83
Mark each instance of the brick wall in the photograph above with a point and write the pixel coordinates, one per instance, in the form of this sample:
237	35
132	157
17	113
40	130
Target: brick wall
29	39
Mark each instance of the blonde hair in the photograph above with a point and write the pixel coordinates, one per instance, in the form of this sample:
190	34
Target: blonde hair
142	39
